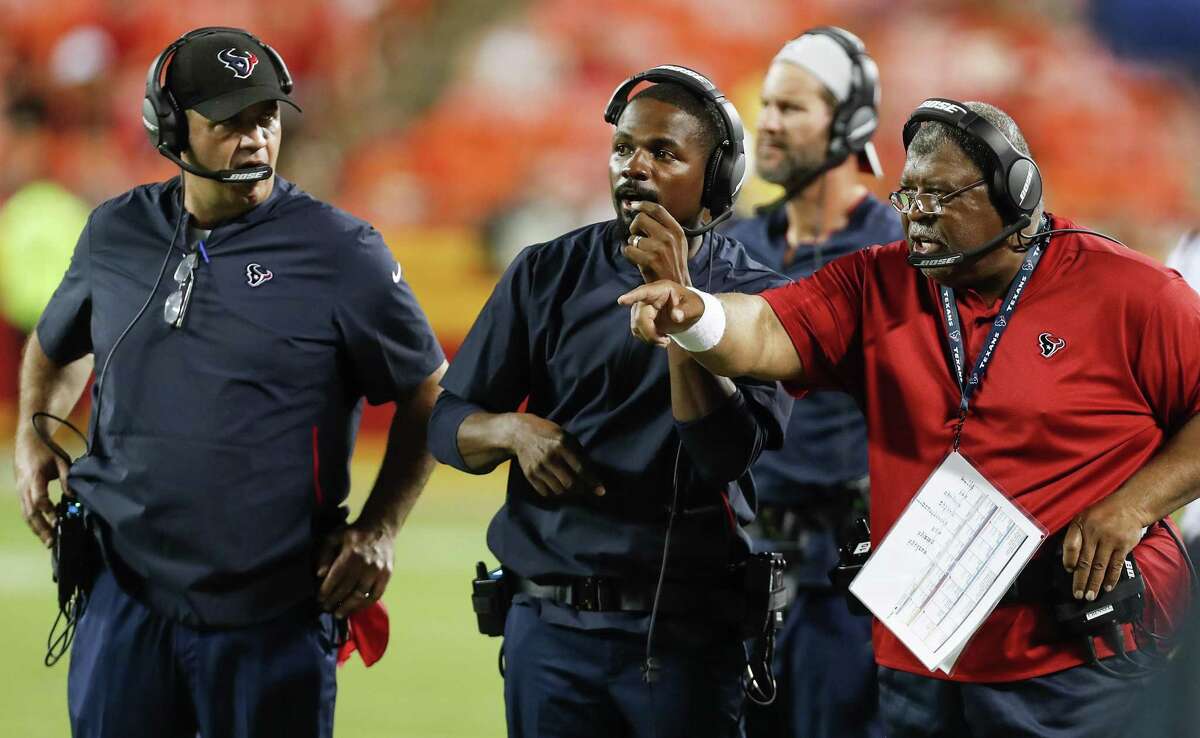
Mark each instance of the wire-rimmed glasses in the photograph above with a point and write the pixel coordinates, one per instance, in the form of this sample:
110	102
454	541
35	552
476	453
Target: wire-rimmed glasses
928	203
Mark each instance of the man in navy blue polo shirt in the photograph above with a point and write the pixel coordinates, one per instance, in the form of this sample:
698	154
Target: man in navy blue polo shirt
617	435
819	111
225	409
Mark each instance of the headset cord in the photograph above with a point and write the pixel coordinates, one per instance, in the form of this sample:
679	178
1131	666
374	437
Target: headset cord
48	438
761	690
1194	579
1118	634
57	645
651	666
141	311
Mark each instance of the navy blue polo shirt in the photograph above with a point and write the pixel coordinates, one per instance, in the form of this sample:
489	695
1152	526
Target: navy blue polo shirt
826	444
826	437
552	331
220	452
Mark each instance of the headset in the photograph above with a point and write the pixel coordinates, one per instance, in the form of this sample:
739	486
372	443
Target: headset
165	123
725	171
1014	183
855	119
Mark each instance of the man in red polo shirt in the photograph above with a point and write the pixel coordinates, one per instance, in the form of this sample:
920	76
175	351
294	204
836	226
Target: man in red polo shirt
1083	414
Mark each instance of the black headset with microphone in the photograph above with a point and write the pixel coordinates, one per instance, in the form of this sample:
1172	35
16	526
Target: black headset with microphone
1014	182
725	171
165	122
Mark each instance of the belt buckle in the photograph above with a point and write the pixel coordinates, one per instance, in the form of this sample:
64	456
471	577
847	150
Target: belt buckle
593	594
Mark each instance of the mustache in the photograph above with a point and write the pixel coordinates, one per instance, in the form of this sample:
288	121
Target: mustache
633	192
923	234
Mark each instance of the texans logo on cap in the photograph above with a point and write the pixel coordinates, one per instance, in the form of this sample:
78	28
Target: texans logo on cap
241	63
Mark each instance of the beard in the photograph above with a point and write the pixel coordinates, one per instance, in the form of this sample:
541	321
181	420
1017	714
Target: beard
794	166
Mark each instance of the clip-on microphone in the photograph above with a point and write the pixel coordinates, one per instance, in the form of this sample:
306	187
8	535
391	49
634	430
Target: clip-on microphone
962	257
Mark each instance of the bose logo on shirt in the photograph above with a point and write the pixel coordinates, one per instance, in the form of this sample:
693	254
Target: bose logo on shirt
943	106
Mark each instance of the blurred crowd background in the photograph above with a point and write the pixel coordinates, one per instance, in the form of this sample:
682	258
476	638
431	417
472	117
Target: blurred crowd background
466	129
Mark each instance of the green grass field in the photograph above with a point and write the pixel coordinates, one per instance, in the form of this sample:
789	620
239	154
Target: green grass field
438	679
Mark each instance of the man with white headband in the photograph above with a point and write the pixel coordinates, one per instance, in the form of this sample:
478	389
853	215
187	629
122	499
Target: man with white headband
819	101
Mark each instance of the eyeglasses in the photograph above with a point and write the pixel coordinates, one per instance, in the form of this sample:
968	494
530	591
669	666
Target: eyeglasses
176	305
927	202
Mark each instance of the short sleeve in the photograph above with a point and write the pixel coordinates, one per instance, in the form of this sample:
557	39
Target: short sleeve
389	342
64	330
491	368
823	318
1168	361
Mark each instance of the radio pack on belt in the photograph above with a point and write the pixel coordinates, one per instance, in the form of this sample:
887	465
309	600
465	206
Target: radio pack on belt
74	561
1123	604
853	552
491	596
765	595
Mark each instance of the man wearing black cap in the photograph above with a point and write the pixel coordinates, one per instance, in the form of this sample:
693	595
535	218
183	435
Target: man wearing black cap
224	412
819	102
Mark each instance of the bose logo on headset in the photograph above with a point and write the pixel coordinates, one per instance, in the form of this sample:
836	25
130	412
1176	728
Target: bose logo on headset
684	70
1025	187
944	107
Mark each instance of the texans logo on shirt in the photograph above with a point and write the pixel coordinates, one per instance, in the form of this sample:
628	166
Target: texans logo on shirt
241	63
256	275
1050	345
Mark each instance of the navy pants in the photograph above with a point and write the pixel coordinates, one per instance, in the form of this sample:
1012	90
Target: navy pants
1082	702
563	682
135	673
825	674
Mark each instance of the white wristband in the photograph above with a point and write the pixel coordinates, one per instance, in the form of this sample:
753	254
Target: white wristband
706	332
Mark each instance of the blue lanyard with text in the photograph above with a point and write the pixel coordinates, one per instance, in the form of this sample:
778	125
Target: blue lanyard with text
954	338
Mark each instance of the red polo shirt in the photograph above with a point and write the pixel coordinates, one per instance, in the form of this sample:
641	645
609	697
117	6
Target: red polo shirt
1056	433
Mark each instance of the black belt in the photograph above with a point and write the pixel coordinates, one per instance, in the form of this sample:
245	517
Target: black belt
829	512
713	601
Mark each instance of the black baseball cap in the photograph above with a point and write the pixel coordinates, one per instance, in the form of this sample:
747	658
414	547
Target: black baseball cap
222	73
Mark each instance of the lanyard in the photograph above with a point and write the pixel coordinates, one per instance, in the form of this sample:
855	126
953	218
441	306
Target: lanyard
968	384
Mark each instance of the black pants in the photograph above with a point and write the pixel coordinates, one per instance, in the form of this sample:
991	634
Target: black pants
1082	702
563	682
136	674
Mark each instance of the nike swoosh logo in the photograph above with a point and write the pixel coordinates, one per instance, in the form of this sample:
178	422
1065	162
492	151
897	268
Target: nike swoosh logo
396	275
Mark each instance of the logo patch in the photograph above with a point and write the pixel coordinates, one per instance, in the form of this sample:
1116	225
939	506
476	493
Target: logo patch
256	275
241	63
1050	345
